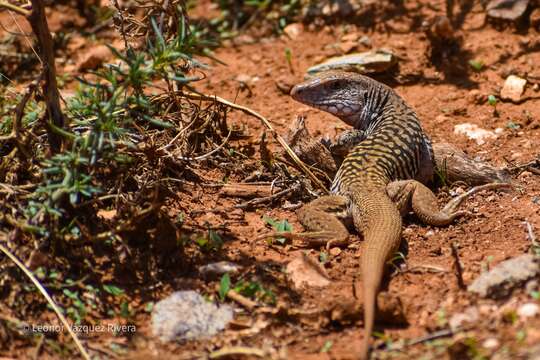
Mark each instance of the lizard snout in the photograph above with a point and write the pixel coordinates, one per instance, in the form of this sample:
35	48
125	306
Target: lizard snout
295	91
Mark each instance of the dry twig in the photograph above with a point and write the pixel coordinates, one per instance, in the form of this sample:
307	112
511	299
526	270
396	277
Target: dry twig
54	116
238	350
19	10
458	268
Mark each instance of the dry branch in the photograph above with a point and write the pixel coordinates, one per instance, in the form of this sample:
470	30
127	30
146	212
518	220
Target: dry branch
19	10
246	190
54	116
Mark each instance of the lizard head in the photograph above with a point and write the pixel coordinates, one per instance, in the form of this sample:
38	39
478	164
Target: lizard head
340	93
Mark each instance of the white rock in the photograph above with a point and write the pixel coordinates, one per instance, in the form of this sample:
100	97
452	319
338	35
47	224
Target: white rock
186	315
513	88
490	343
470	315
507	275
293	30
528	310
473	132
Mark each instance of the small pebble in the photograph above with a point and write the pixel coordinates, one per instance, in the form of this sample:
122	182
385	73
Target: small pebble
528	310
219	268
293	30
490	343
524	175
335	251
366	41
513	88
470	315
532	285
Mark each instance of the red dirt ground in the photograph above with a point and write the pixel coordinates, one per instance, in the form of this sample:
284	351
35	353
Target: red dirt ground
495	233
443	97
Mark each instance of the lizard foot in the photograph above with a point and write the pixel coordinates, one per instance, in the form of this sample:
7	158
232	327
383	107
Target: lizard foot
411	194
309	239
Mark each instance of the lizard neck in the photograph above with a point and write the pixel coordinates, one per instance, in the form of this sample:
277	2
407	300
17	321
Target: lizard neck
377	100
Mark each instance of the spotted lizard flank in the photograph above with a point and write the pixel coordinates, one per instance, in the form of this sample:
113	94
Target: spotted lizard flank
366	186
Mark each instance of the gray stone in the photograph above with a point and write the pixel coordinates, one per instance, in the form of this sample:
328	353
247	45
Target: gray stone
186	315
503	278
507	9
219	268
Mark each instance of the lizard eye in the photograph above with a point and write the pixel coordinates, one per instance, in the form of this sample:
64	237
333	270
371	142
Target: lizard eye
335	85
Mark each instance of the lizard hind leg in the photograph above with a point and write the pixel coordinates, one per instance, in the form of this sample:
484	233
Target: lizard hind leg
415	196
323	219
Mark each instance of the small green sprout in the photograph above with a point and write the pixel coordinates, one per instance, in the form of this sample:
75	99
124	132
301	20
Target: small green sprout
288	57
326	346
224	286
279	226
477	65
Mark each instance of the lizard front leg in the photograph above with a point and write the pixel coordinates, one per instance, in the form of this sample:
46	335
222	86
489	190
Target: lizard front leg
323	219
413	195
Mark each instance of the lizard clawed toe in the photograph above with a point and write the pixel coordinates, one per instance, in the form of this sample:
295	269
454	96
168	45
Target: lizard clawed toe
452	205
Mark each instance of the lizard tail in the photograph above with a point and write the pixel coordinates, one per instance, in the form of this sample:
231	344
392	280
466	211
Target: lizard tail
380	222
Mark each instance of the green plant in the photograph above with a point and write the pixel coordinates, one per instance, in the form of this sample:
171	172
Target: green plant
211	242
288	57
279	226
107	116
224	286
477	65
397	258
326	346
255	290
442	319
521	335
492	101
512	125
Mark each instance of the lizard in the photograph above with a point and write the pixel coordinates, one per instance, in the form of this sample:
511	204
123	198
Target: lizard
379	180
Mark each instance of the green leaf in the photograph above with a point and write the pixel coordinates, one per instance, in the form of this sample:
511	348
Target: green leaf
113	290
477	65
270	221
512	125
521	335
224	286
326	346
73	295
279	226
124	310
492	100
149	307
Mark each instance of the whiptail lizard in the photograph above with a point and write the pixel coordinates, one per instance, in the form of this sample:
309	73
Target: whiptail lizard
394	147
